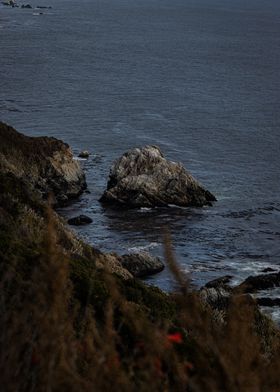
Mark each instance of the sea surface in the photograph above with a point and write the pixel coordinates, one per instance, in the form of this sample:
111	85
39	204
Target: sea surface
199	78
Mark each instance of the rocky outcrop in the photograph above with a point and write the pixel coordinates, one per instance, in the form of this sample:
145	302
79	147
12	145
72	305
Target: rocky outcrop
84	154
26	220
142	177
80	220
219	282
216	297
268	302
46	163
141	264
260	282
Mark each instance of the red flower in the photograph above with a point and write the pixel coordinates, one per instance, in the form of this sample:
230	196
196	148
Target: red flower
188	366
175	337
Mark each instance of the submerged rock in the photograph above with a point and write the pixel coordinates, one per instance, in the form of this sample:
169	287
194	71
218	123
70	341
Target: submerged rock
44	7
141	264
80	220
269	269
46	163
268	302
142	177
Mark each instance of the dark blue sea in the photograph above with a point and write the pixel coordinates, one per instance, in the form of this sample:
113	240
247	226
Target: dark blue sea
199	78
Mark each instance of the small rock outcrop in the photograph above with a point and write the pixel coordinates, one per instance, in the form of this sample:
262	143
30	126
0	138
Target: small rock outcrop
141	264
219	282
142	177
84	154
216	297
46	163
268	302
80	220
260	282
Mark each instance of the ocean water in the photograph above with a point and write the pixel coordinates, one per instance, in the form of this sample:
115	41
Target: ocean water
199	78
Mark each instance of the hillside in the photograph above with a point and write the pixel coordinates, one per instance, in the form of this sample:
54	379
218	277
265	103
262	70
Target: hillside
73	319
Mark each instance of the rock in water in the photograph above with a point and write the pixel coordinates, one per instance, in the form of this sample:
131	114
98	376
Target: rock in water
142	177
260	282
219	282
46	163
141	264
84	154
80	220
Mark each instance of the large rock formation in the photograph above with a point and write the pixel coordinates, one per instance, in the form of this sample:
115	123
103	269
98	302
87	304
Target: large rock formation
46	163
142	177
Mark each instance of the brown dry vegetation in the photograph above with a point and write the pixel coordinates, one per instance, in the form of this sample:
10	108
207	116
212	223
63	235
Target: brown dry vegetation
65	328
68	323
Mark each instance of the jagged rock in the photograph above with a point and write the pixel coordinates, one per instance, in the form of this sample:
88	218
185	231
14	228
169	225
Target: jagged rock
219	282
10	3
46	163
217	297
269	269
83	154
269	302
260	282
142	177
80	220
141	264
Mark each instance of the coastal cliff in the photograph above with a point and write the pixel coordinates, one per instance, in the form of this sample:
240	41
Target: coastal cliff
74	319
47	164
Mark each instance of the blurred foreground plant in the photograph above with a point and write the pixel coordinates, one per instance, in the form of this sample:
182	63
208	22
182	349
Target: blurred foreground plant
68	327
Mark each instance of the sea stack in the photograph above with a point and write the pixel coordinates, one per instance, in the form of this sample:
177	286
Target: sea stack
142	177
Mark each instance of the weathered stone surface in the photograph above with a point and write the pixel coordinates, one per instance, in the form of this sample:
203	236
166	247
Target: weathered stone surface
219	282
80	220
216	297
111	263
46	163
260	282
142	177
141	264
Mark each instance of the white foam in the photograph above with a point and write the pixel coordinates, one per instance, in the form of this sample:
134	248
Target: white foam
145	209
137	249
79	159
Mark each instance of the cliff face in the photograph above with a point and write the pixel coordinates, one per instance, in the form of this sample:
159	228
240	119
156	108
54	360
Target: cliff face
47	164
30	169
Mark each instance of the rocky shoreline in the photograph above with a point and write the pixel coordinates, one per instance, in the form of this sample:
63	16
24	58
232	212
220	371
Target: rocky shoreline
141	177
47	272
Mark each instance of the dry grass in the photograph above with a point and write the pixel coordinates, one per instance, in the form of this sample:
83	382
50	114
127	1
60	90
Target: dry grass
52	342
